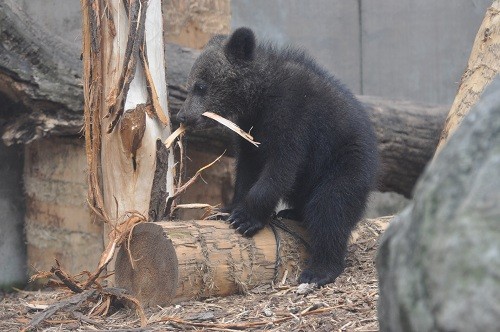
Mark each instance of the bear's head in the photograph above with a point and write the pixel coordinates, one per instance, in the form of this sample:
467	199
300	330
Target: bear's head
220	80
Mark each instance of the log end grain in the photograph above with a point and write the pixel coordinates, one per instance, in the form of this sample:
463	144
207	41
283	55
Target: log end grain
154	275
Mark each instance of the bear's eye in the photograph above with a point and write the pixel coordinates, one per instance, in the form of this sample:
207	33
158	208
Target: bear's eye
200	88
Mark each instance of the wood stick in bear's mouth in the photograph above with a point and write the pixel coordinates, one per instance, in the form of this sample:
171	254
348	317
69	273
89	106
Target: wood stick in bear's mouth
231	125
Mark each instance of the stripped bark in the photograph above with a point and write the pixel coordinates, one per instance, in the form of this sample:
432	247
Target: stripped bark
126	115
483	66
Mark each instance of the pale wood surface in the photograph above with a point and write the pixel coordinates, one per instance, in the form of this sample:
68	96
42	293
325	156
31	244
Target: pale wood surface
200	259
483	66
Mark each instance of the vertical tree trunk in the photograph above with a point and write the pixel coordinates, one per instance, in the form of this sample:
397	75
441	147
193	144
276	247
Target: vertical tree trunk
483	66
126	117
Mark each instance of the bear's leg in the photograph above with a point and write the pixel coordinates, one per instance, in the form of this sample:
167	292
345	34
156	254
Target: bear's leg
275	180
247	173
332	211
292	214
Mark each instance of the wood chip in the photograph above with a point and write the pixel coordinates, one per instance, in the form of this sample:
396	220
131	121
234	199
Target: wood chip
36	306
305	289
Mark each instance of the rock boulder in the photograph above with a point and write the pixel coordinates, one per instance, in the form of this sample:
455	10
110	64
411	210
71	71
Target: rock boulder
439	261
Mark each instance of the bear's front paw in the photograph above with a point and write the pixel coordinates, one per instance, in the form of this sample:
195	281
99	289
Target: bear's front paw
319	275
244	222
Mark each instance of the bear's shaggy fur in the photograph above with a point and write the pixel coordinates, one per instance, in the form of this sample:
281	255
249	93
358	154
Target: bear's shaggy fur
318	149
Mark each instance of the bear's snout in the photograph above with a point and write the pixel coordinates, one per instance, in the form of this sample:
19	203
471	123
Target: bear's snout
181	117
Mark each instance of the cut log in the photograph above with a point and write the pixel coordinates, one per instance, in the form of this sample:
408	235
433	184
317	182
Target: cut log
41	94
176	261
483	66
170	262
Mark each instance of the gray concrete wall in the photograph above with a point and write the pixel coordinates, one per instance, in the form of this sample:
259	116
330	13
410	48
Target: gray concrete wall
417	50
12	246
328	29
404	49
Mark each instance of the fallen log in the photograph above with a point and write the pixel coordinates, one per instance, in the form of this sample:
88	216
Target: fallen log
170	262
407	134
40	80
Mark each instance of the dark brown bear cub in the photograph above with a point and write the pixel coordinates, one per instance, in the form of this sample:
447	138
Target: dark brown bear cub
318	150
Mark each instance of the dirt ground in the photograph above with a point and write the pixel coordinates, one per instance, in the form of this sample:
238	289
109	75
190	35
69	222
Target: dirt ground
347	305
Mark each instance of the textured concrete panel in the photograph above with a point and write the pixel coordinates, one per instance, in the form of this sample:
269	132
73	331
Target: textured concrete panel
12	246
417	50
329	30
58	221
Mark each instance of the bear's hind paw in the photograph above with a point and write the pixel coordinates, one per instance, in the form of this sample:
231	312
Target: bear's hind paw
318	276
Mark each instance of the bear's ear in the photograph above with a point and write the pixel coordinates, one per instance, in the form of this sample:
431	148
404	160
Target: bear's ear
241	45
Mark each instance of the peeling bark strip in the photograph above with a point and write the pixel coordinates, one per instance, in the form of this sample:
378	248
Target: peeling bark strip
158	203
136	18
182	188
158	110
92	76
